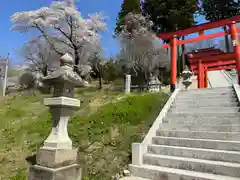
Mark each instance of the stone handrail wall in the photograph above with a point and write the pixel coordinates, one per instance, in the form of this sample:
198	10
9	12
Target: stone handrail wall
227	76
138	149
209	84
219	79
232	76
237	91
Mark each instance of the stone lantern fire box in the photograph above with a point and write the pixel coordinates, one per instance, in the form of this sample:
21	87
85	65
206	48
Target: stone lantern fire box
56	160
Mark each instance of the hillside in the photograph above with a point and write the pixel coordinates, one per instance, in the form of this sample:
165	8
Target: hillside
103	130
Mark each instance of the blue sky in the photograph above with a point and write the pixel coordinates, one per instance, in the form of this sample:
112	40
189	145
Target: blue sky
12	41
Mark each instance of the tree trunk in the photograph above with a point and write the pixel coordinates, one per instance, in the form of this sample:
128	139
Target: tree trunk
47	88
227	45
100	82
45	71
76	62
146	81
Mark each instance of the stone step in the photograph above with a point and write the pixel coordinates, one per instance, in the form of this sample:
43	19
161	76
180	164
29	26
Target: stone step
199	165
223	93
202	127
197	143
207	95
231	136
206	99
212	115
208	104
205	109
207	154
203	120
202	115
208	90
133	178
165	173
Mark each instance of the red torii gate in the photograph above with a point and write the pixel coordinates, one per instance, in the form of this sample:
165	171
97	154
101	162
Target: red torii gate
174	42
209	59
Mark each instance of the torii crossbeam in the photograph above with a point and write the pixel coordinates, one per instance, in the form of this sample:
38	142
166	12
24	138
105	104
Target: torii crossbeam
174	42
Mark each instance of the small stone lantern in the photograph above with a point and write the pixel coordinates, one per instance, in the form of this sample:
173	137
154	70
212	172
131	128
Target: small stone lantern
187	77
56	160
154	84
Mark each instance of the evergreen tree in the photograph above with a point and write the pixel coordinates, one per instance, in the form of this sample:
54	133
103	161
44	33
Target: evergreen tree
127	7
220	9
170	15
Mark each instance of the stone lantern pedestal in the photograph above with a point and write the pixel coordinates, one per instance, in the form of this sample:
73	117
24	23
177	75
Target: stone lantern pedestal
56	160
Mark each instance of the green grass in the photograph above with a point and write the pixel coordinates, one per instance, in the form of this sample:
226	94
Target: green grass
103	131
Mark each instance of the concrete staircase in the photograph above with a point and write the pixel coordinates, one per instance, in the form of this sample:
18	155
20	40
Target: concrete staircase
199	139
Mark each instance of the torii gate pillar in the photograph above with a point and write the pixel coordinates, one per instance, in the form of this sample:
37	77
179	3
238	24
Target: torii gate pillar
236	47
201	81
174	43
206	78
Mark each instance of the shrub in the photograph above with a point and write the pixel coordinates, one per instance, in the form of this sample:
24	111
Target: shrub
111	72
165	77
27	80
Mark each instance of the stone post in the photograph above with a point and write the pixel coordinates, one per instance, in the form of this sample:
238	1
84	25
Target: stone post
56	160
4	71
127	87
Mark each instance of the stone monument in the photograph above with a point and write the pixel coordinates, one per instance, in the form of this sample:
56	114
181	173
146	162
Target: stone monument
3	75
56	160
127	87
154	84
187	77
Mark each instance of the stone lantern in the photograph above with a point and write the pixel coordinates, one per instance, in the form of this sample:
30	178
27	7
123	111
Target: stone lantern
187	77
56	160
154	84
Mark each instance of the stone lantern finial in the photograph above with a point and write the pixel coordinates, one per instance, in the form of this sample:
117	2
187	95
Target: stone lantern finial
67	60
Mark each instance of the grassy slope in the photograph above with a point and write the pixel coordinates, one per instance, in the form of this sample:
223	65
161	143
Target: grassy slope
103	130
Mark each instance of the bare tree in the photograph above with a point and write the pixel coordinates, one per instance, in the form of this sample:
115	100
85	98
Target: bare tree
99	65
138	47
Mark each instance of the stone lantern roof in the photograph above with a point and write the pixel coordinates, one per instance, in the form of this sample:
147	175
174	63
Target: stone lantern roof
65	74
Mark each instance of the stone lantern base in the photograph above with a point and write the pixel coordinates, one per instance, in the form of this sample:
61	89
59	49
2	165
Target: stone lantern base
55	164
154	89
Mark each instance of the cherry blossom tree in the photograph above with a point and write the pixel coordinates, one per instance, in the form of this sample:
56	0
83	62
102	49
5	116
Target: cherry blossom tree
63	27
